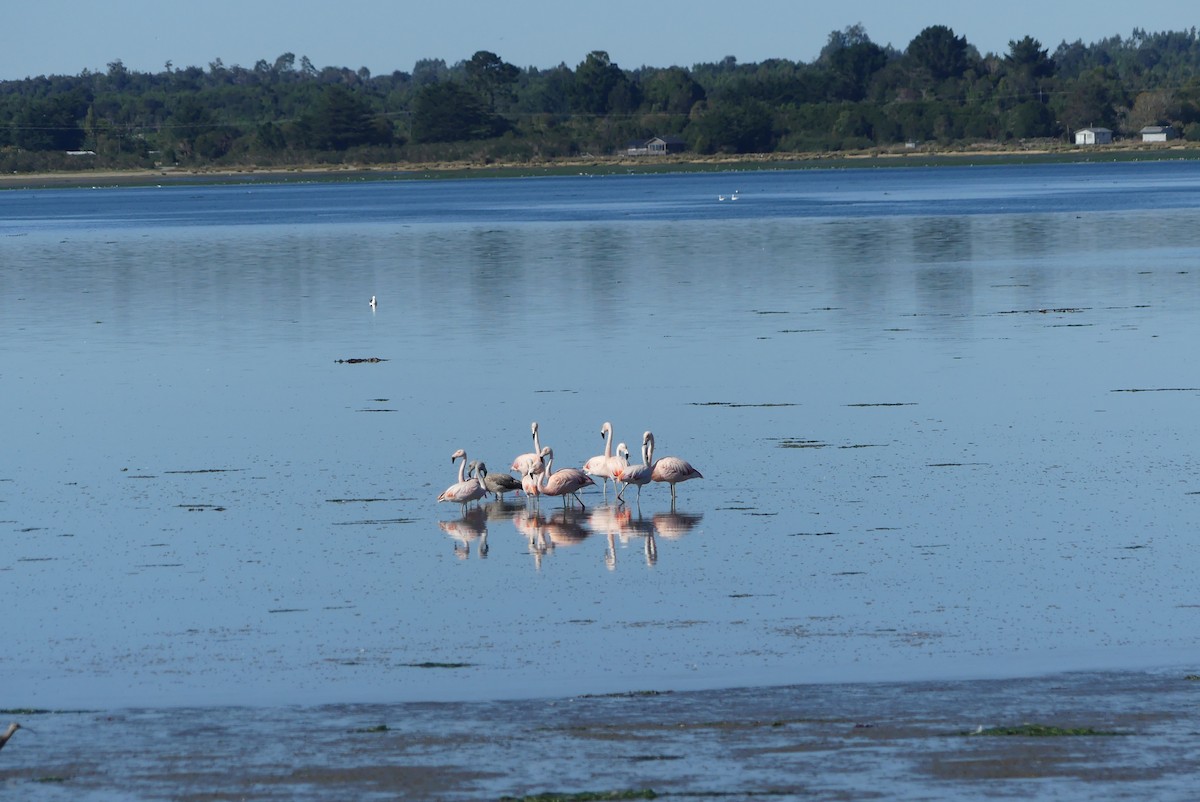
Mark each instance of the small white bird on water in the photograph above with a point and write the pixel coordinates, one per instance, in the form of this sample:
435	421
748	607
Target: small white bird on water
373	302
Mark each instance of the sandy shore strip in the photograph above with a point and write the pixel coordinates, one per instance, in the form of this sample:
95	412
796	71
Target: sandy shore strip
1133	735
898	156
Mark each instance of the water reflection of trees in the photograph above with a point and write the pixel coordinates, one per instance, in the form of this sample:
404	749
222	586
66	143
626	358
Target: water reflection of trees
544	532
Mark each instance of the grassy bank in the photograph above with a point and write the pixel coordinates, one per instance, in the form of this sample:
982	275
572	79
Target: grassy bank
922	156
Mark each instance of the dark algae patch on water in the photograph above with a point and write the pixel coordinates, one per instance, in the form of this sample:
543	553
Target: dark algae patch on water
583	796
1044	731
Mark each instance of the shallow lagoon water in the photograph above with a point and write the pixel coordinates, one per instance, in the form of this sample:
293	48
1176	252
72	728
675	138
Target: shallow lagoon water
946	420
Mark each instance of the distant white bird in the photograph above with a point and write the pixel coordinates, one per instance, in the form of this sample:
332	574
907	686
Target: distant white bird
373	302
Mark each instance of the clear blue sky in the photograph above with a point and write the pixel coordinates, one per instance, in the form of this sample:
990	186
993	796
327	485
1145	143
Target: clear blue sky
43	37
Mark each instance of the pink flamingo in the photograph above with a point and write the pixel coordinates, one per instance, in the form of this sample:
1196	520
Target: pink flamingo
464	490
562	482
531	462
9	733
530	484
672	470
618	463
602	465
638	474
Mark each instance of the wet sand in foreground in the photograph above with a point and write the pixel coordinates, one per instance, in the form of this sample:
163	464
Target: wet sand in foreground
1070	736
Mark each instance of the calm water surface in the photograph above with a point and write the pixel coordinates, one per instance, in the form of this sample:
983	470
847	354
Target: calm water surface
946	418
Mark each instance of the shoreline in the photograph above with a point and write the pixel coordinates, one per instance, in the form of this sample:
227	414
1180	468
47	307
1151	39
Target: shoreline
615	165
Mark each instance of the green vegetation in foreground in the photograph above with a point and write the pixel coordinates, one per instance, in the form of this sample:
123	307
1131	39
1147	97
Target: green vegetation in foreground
584	796
1044	731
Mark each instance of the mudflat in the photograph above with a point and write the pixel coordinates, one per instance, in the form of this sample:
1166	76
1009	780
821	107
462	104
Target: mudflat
1104	735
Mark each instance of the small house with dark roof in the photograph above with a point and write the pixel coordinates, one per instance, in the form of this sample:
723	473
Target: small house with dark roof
1093	136
1157	133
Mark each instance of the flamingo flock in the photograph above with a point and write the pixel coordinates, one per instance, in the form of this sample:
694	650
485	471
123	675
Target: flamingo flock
537	476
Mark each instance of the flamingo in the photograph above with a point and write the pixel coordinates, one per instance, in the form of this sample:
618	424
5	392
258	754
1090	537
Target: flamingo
601	465
638	474
531	462
564	481
9	733
618	462
464	490
530	484
672	470
498	483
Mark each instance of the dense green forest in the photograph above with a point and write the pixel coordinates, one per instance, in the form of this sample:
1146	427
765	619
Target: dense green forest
856	94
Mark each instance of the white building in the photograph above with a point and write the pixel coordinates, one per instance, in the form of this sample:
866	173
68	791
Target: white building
1093	136
1157	133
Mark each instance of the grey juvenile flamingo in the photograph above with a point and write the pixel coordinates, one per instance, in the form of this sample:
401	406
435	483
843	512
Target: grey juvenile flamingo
498	483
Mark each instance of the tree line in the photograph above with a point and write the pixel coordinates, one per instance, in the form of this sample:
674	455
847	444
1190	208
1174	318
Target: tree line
856	94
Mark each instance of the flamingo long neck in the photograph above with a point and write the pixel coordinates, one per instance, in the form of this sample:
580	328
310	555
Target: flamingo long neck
462	470
648	451
608	442
537	446
544	479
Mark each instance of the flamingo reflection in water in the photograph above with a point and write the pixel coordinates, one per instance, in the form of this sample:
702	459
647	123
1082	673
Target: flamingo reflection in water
626	528
567	527
466	530
674	525
530	524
